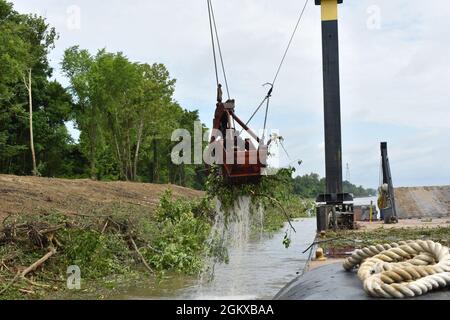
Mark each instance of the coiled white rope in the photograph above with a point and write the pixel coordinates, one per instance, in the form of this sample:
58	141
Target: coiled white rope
402	270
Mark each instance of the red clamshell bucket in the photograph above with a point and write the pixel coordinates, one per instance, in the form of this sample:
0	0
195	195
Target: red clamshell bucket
240	160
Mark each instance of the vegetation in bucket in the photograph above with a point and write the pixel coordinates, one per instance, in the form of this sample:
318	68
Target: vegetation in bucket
274	193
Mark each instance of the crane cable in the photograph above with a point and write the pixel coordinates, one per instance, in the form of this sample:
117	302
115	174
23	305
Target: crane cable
283	59
290	42
214	32
213	44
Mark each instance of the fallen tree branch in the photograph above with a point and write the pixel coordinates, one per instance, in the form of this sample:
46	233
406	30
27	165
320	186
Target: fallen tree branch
27	291
10	283
38	263
320	241
118	224
140	255
3	265
52	230
6	218
59	244
154	249
105	226
9	257
279	204
51	279
35	284
87	215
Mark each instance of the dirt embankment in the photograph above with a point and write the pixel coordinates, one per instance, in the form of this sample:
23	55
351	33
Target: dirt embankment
40	195
423	202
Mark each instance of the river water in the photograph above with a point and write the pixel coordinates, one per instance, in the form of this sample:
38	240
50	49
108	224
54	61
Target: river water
256	270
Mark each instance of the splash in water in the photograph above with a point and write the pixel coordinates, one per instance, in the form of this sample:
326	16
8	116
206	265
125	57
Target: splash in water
231	230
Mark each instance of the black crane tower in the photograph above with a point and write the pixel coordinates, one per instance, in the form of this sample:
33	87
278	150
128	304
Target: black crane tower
334	199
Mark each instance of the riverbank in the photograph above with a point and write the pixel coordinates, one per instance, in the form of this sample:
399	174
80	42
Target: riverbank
121	244
35	195
117	234
113	232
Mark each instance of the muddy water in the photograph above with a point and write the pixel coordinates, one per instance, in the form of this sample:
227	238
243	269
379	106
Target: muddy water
257	270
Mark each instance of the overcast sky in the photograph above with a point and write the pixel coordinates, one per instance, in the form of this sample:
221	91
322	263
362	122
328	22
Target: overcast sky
395	70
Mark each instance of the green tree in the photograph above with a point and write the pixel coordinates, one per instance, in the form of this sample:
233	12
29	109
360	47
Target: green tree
25	41
119	102
77	65
13	50
124	110
311	185
157	112
40	39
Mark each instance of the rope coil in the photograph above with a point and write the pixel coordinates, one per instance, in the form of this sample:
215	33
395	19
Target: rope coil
402	270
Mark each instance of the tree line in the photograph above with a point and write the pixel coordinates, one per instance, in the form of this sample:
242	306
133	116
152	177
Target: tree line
311	185
125	111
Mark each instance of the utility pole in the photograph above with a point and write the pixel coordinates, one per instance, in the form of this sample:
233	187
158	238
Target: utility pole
334	197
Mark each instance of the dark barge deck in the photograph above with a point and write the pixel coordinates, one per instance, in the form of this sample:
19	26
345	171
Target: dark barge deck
332	282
